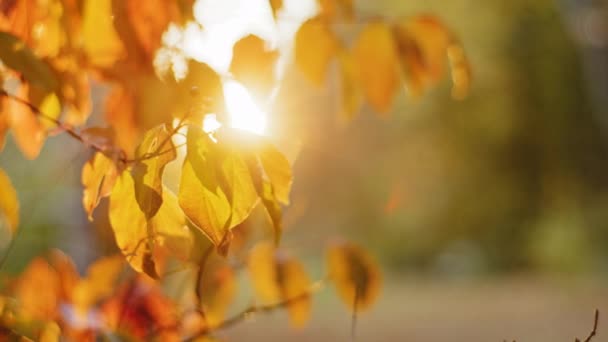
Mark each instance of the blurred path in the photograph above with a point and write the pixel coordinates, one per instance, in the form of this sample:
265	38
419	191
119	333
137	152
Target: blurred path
419	311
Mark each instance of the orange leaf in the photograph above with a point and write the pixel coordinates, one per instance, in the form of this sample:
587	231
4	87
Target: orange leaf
315	46
377	59
34	303
9	203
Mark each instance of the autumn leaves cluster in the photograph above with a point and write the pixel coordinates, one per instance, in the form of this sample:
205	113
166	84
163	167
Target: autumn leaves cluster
410	53
52	53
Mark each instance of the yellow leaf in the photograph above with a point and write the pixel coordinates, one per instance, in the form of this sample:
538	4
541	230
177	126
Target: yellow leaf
216	189
355	275
377	59
315	46
101	43
349	82
9	203
140	238
278	277
155	151
98	178
216	289
51	108
200	195
276	6
296	285
253	64
262	269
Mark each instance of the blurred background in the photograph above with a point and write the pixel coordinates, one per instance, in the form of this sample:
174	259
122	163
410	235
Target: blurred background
488	216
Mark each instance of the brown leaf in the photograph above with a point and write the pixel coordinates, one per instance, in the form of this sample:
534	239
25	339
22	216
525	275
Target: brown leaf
315	46
377	59
355	275
424	45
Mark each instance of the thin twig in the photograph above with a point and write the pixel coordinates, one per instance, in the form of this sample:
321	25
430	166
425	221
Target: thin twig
353	326
594	331
254	309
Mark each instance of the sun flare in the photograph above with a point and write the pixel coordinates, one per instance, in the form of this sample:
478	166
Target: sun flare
243	111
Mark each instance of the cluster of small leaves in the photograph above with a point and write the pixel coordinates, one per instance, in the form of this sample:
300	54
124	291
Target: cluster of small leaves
414	50
109	302
52	51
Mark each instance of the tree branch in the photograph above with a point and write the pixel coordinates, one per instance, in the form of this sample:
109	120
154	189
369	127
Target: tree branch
594	330
254	309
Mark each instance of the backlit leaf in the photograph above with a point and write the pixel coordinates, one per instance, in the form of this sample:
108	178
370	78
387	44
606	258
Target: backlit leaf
9	203
355	275
98	177
278	277
200	195
155	151
139	237
216	189
253	64
377	59
315	46
101	43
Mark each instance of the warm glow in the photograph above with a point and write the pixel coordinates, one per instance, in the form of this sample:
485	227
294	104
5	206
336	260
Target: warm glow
219	25
243	111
